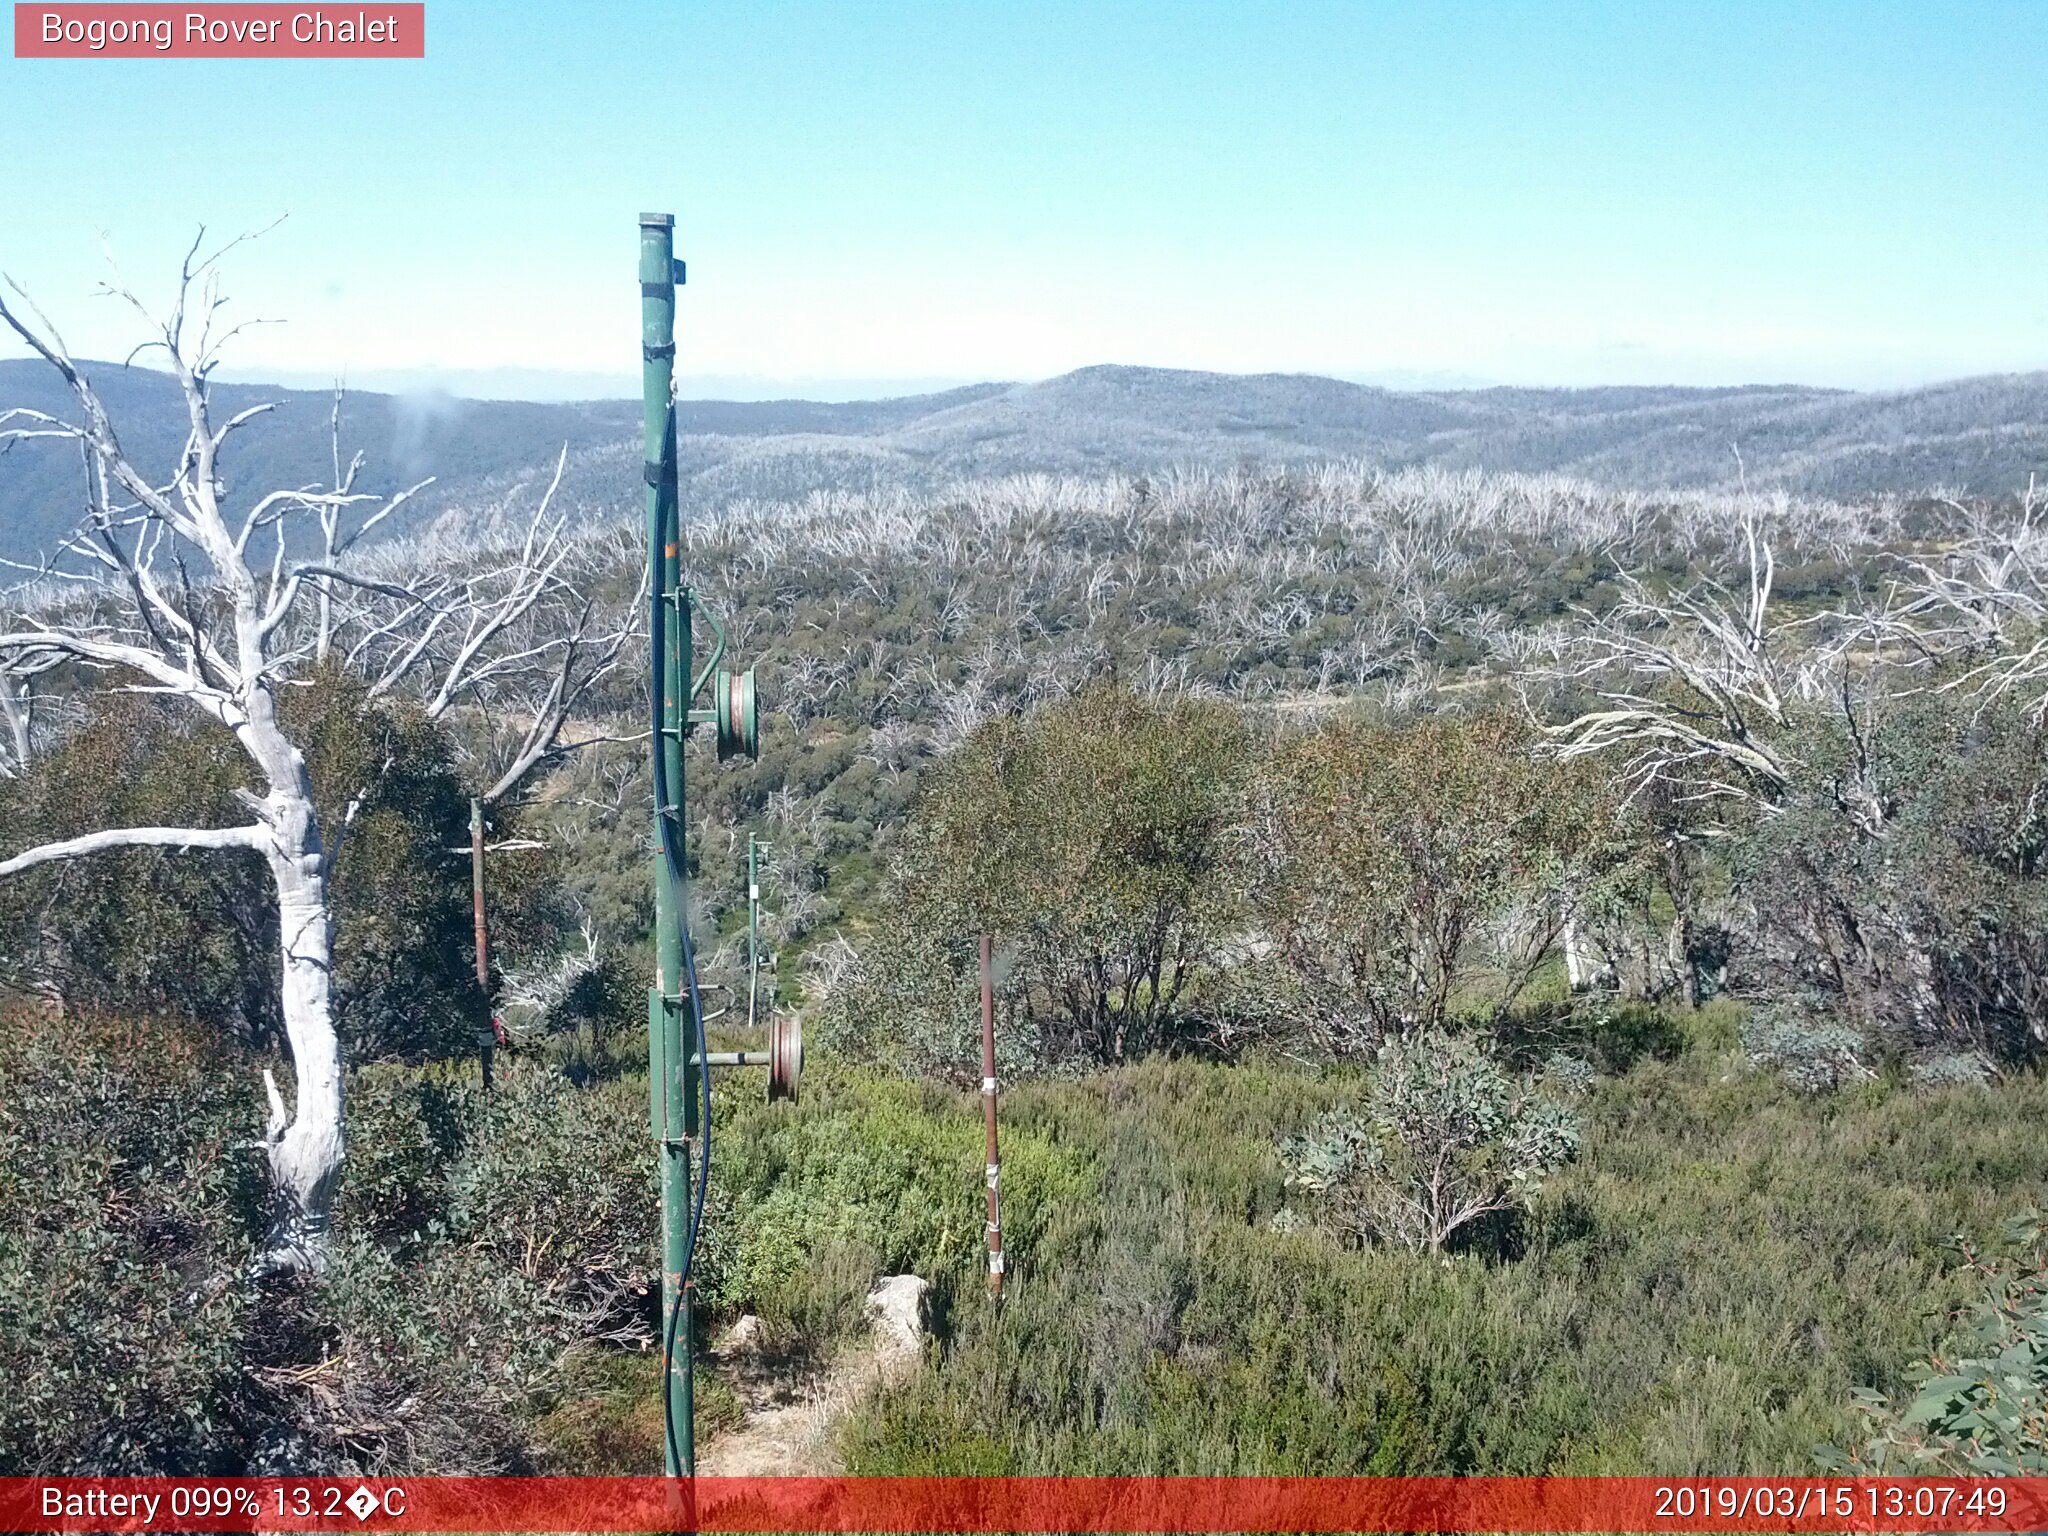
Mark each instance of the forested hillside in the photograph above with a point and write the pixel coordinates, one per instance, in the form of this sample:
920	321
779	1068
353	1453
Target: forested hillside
1615	849
1981	436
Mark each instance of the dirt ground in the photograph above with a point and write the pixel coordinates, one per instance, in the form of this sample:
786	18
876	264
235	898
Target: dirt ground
789	1424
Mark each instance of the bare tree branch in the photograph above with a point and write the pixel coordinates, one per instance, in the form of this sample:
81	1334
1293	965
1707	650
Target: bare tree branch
252	837
1693	685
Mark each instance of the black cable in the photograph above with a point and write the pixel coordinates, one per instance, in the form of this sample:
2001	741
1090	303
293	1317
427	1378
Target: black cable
668	1410
671	845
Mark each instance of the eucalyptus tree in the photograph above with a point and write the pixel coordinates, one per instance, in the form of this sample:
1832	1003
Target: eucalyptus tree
221	602
1827	749
1400	873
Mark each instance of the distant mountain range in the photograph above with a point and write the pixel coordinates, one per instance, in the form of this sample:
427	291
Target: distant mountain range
1982	435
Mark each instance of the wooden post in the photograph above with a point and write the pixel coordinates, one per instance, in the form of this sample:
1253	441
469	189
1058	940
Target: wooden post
483	953
988	1117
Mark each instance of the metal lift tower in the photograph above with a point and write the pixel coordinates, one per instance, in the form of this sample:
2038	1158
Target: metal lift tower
678	1082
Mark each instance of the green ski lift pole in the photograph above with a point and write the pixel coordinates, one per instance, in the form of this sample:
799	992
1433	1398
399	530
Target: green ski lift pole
678	1063
672	1081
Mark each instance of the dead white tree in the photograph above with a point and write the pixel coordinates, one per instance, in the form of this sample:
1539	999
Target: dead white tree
1980	608
1693	686
215	608
1694	690
18	700
508	650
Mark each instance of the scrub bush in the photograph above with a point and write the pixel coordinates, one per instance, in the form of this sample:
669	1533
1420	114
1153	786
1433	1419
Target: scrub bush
1447	1137
1902	883
1812	1052
129	1205
1404	872
494	1237
1978	1406
1698	1292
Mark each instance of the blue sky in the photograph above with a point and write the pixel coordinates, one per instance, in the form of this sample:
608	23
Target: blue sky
872	191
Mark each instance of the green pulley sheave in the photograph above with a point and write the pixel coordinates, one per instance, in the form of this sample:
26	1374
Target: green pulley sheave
739	722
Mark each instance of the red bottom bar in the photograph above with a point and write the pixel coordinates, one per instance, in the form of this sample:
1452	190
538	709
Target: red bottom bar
1109	1504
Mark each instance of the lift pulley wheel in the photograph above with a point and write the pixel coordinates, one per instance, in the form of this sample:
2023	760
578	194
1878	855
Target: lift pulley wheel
739	723
785	1057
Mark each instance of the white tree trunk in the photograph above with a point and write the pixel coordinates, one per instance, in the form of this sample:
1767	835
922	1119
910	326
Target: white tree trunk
306	1153
1578	967
14	711
305	1149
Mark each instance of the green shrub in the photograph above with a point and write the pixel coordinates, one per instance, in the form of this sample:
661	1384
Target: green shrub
1813	1053
867	1176
1903	878
405	1125
496	1236
1447	1138
1698	1292
129	1206
1979	1405
607	1420
1619	1032
1951	1070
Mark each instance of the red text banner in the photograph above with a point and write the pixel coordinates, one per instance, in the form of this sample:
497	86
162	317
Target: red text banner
233	31
1105	1504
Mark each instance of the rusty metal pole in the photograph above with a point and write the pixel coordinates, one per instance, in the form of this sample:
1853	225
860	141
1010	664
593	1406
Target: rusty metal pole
988	1117
483	953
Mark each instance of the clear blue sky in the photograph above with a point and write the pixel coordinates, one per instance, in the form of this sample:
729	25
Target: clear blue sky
1571	193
